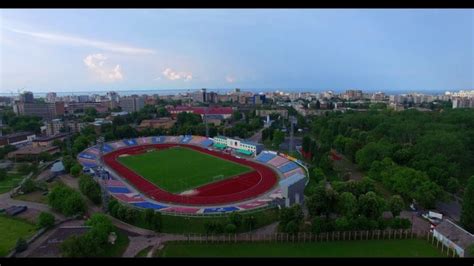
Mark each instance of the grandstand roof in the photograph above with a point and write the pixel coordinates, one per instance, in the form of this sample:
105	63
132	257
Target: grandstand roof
220	146
244	152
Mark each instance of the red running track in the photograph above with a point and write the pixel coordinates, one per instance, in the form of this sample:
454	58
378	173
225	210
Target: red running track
234	189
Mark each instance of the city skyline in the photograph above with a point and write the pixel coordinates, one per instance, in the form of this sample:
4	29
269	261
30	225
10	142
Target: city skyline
93	50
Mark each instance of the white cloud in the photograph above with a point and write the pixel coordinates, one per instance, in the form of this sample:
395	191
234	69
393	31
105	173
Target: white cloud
230	79
96	63
73	40
173	75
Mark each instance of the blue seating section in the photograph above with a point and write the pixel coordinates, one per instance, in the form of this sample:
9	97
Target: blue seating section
265	157
88	165
223	209
130	142
288	167
118	189
107	148
186	139
156	140
206	143
149	205
87	156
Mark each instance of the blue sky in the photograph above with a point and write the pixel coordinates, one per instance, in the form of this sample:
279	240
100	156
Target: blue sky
86	49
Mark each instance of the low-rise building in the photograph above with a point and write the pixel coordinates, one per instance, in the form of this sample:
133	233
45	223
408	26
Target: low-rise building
100	107
241	146
17	139
56	126
47	141
163	122
47	111
453	236
32	152
225	112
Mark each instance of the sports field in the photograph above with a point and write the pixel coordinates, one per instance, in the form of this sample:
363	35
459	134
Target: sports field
180	169
10	230
359	248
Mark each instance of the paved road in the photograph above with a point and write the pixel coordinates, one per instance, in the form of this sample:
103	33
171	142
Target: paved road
257	137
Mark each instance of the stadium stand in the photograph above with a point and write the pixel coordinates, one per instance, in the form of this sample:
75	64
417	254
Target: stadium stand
277	161
294	171
220	209
118	189
130	142
288	167
206	143
149	205
87	155
186	139
265	157
157	140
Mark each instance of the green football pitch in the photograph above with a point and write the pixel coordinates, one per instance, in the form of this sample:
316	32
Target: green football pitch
180	169
359	248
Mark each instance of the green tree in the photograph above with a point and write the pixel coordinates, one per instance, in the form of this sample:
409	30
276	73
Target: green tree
45	220
66	200
347	204
230	228
370	205
342	224
90	189
467	211
76	170
396	204
3	174
24	168
250	222
28	186
235	218
278	138
306	145
470	250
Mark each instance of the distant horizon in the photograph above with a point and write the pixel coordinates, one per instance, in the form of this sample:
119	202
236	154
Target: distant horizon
224	90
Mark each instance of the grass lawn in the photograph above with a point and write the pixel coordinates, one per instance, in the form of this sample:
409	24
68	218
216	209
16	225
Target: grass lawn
10	182
143	252
35	196
179	169
359	248
10	230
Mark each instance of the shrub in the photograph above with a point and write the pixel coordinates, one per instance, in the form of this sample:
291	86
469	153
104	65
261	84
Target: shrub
230	228
45	220
21	245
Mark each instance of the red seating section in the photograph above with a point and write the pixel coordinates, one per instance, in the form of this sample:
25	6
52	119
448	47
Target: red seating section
234	189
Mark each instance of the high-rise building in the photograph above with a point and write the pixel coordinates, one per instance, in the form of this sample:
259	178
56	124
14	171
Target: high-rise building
83	98
26	97
51	97
132	103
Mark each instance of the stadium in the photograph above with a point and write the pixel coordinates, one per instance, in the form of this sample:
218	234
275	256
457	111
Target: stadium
194	175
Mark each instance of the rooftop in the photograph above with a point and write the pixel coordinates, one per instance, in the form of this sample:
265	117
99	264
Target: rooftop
455	233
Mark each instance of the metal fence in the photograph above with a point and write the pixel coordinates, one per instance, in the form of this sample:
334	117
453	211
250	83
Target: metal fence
308	237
